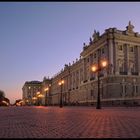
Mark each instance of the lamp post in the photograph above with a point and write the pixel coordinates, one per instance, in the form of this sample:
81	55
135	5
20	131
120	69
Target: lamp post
46	90
60	84
97	68
40	96
37	94
34	100
49	95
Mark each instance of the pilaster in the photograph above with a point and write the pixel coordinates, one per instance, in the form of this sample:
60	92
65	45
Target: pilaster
138	59
127	60
115	57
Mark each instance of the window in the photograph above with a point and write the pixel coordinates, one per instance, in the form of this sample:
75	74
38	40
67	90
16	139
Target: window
121	68
132	69
125	89
136	89
131	49
95	55
88	59
91	92
103	50
120	47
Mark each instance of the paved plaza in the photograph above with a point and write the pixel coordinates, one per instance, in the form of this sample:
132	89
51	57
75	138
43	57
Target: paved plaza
69	122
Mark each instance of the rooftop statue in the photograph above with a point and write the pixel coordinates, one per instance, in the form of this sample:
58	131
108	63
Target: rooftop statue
130	27
84	46
90	40
96	35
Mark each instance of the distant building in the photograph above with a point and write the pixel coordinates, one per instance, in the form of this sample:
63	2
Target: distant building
30	90
120	81
46	90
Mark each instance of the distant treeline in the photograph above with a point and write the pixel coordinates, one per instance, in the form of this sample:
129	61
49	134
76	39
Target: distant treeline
3	100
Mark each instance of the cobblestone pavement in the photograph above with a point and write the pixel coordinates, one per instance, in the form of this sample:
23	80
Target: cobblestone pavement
69	122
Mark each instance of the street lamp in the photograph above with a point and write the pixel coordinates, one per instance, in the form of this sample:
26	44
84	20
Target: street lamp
38	93
97	68
40	100
34	100
39	96
60	84
46	90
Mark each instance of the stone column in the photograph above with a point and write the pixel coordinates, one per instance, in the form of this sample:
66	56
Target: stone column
127	68
138	59
72	80
90	65
110	55
123	87
115	57
79	76
134	86
84	63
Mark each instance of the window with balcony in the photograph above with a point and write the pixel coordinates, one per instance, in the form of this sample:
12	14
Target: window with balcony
121	70
132	69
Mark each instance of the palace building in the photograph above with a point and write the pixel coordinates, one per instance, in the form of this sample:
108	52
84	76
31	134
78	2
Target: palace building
119	79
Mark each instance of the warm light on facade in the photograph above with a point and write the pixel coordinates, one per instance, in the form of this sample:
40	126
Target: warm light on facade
27	100
61	82
46	89
34	98
40	95
104	63
94	68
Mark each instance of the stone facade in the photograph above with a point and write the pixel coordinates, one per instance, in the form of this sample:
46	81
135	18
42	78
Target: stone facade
30	90
46	90
119	81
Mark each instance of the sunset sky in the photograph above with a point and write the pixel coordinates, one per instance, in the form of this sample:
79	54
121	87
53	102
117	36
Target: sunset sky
38	38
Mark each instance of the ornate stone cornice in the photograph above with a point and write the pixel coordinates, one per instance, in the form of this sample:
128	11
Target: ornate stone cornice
127	38
94	46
